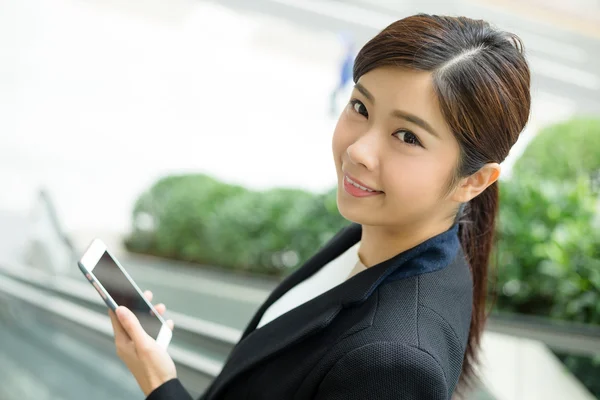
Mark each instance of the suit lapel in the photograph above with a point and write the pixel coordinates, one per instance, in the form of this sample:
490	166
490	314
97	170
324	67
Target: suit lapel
308	319
341	242
301	322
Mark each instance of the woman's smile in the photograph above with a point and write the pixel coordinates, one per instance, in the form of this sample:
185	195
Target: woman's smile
356	188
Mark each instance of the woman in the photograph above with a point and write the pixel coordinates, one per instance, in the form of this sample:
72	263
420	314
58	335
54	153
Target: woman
393	307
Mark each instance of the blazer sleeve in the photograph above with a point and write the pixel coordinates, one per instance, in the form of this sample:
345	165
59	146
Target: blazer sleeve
385	371
170	390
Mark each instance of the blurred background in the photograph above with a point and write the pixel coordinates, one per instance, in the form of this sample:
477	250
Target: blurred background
179	132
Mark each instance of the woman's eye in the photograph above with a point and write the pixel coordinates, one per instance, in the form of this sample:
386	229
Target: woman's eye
359	108
408	137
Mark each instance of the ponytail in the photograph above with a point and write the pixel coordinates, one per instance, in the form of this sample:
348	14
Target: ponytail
476	231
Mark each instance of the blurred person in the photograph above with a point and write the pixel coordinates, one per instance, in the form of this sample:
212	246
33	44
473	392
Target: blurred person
345	71
393	307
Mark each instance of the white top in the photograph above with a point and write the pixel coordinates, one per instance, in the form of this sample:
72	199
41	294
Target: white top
335	272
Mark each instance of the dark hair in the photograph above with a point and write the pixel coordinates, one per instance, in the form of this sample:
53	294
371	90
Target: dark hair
482	82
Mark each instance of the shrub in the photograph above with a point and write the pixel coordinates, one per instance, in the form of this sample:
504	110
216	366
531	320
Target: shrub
197	218
562	151
549	258
549	250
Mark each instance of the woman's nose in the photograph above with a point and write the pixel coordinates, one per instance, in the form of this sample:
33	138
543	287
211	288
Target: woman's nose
364	152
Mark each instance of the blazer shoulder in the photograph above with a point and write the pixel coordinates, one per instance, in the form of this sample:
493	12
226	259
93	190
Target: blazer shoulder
430	312
385	370
445	298
444	313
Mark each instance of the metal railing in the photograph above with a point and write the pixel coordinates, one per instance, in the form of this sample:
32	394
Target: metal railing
73	307
565	336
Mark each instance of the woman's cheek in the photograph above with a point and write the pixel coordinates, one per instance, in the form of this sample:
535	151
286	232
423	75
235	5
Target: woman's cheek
415	181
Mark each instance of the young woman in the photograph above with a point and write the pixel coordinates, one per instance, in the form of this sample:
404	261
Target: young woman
393	307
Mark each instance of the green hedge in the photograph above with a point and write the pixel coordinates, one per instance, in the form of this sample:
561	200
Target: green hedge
548	258
562	151
196	218
178	208
549	250
549	247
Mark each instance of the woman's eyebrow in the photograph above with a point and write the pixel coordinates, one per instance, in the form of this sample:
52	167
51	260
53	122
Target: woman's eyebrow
415	120
399	113
363	90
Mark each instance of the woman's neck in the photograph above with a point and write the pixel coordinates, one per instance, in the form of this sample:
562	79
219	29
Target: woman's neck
380	243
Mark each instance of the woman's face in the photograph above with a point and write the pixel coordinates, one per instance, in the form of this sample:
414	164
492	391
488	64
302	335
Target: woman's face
392	140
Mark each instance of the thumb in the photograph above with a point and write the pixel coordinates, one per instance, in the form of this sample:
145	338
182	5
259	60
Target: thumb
132	326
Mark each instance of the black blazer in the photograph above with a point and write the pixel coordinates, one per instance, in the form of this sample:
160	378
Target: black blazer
397	330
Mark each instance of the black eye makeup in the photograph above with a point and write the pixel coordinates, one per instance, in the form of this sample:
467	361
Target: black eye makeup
405	135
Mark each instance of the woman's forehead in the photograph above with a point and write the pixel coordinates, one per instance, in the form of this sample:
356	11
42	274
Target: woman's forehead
387	81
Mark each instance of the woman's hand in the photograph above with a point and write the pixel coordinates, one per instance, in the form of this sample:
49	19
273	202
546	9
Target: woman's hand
149	363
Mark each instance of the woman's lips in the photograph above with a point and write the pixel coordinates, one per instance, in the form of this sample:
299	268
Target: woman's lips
357	189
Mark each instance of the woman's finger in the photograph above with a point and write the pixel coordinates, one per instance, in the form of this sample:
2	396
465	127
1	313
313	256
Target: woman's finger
161	308
149	295
170	324
120	333
132	326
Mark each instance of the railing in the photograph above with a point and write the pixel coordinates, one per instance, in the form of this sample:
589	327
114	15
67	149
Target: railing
568	337
74	306
199	348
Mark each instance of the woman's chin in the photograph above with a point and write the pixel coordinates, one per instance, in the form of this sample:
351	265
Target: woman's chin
354	210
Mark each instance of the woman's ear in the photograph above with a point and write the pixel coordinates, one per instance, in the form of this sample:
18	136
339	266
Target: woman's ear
471	186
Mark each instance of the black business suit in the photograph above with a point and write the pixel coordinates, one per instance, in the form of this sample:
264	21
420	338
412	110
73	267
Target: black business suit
395	331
